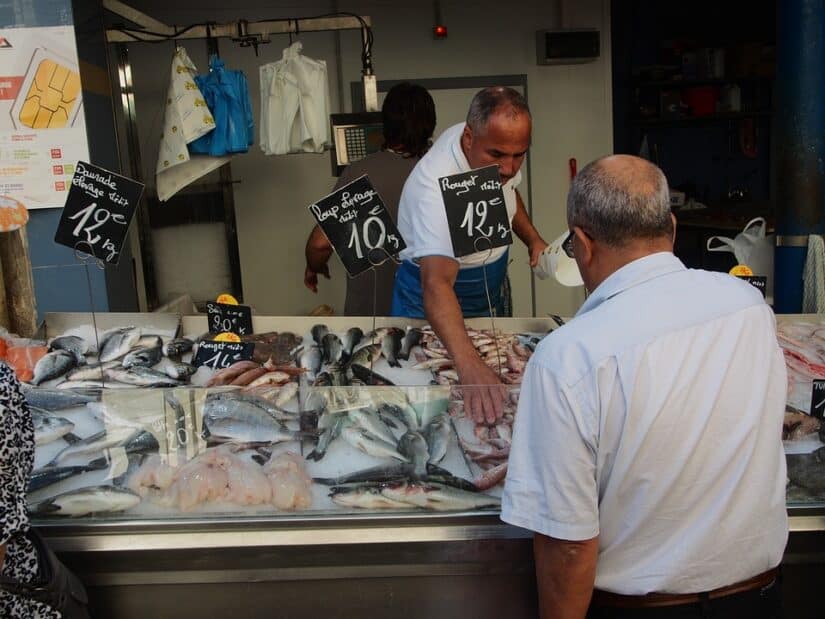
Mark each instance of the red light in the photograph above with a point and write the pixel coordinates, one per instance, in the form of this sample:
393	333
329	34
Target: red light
440	32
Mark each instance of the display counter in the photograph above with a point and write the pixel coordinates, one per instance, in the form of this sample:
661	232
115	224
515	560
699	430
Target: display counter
396	550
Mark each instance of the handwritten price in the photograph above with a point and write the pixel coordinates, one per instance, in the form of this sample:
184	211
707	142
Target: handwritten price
100	217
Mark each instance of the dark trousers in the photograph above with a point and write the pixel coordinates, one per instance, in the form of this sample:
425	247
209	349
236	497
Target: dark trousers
762	603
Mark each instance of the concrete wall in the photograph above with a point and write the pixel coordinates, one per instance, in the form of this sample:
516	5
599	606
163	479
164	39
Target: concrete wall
571	107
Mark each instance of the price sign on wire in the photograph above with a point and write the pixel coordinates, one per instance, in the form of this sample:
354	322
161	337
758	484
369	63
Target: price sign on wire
99	207
224	318
219	355
818	399
760	282
358	226
476	212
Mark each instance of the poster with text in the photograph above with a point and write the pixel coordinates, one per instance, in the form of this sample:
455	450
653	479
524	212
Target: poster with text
42	129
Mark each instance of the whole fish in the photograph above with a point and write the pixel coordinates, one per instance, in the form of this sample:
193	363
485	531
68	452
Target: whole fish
52	365
318	333
177	347
143	356
366	355
405	414
287	392
310	360
411	339
117	343
391	346
73	344
370	444
91	372
437	496
368	376
149	341
364	496
142	377
49	427
179	371
330	425
93	385
331	348
374	474
93	444
139	442
372	423
413	446
85	501
437	433
238	421
255	400
227	375
350	340
111	417
54	399
53	474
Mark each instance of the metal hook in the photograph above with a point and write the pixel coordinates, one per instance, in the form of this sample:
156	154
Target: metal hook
84	257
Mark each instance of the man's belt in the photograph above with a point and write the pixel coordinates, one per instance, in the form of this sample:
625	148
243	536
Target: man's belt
617	600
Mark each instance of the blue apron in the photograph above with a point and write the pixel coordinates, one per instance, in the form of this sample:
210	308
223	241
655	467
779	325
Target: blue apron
408	297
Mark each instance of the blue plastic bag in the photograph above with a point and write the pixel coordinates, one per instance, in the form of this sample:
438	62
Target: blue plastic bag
227	96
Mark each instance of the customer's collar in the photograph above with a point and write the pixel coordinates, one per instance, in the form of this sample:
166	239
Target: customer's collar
632	274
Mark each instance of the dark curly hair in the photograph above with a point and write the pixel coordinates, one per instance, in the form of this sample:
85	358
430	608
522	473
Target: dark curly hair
409	119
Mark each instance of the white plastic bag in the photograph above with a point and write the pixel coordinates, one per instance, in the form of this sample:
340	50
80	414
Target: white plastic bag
751	247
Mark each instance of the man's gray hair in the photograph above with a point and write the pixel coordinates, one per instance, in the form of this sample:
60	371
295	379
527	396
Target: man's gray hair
488	100
618	203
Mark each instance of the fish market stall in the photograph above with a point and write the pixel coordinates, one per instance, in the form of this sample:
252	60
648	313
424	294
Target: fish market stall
333	469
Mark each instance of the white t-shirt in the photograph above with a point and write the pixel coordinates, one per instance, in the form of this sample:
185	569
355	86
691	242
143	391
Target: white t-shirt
653	419
422	220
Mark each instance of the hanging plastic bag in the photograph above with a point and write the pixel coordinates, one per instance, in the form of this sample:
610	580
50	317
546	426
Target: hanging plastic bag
752	247
227	96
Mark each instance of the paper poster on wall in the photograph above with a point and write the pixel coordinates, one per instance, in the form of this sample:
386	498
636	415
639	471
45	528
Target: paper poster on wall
42	129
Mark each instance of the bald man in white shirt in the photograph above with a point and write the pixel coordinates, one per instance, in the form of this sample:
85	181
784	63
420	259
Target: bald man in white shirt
647	455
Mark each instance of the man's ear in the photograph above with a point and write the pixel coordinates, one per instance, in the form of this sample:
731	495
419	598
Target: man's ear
585	251
466	138
673	219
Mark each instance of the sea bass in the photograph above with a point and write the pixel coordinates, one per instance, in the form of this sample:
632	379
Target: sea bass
365	496
93	444
85	501
437	496
54	399
370	444
142	377
53	474
48	427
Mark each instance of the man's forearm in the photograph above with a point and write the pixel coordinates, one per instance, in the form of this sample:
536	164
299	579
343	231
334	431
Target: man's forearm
565	573
522	226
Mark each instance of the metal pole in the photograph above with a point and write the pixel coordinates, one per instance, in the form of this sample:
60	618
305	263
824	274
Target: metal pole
800	143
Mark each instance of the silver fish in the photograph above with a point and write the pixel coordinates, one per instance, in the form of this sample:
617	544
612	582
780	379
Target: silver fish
370	444
92	385
91	372
93	444
52	365
48	427
414	446
139	442
372	423
85	501
310	360
144	356
350	340
391	346
331	348
117	343
149	341
142	377
438	433
111	417
177	347
318	333
265	405
331	425
73	344
437	496
179	371
238	421
53	474
411	339
366	355
374	474
364	496
405	414
54	399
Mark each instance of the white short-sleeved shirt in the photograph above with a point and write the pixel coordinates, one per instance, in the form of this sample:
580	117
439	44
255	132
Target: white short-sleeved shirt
422	220
653	419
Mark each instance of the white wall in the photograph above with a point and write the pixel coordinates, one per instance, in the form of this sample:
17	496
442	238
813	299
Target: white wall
571	109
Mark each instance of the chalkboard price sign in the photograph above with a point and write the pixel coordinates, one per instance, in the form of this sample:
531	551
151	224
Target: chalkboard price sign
818	399
225	318
219	355
476	212
358	226
99	207
760	282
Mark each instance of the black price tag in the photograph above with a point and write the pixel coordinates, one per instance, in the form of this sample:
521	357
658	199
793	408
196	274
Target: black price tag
818	399
358	226
760	282
99	207
225	318
219	355
476	212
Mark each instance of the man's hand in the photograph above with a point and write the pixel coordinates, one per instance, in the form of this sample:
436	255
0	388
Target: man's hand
484	394
535	248
311	277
